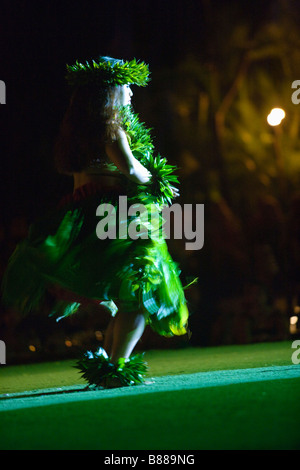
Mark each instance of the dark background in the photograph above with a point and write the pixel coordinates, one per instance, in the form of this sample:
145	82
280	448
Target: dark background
196	52
39	38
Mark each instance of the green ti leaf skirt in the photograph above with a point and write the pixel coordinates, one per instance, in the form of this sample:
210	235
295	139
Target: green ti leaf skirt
64	253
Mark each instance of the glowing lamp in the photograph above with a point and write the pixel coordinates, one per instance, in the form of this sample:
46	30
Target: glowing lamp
275	117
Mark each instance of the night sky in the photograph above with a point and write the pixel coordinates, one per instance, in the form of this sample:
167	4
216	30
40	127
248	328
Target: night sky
39	38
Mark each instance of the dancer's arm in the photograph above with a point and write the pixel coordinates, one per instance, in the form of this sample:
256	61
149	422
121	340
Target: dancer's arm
120	154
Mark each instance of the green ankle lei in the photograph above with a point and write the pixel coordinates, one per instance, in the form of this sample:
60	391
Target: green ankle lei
96	369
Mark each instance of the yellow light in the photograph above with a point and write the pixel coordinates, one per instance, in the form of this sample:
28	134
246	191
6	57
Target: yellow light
276	116
293	324
68	343
32	348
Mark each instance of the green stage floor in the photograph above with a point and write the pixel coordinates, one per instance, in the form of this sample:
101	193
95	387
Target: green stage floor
232	397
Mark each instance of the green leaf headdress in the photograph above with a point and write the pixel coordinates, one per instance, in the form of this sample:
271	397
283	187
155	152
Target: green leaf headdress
108	72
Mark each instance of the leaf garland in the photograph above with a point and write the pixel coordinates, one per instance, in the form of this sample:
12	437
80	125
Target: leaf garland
96	368
108	73
141	145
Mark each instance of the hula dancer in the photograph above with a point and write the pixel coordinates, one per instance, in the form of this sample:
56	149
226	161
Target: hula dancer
109	153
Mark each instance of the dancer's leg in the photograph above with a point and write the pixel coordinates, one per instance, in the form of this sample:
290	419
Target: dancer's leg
127	330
